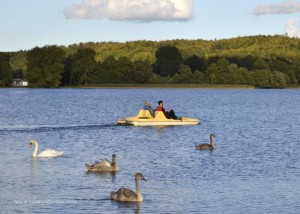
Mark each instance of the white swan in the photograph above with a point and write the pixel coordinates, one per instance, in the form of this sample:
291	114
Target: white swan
46	153
127	195
206	146
104	166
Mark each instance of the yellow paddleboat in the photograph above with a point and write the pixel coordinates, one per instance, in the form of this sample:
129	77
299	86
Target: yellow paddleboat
144	118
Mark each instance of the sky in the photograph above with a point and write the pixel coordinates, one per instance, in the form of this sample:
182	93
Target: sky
25	24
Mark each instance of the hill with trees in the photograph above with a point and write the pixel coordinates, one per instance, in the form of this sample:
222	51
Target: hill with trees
260	61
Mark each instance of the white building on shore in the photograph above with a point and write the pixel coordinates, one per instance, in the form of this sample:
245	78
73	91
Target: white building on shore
19	83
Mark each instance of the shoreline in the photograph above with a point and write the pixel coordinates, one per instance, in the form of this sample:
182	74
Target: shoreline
191	86
203	86
174	86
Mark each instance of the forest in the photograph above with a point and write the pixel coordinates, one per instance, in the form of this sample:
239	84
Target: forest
259	61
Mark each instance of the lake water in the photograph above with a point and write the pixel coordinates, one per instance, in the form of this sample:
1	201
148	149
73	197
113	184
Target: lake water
255	167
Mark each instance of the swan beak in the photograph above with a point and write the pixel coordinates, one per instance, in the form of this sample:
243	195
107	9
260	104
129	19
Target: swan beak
144	179
30	145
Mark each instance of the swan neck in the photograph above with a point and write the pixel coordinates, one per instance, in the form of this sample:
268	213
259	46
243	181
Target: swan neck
212	141
36	147
137	187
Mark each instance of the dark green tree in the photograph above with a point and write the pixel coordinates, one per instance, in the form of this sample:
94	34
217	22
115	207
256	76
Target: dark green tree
18	74
108	71
142	72
66	76
260	64
285	66
296	68
98	74
280	64
45	66
168	61
248	62
126	69
83	65
5	70
195	63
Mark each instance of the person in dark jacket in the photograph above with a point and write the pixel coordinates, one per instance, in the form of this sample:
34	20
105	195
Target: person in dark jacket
168	114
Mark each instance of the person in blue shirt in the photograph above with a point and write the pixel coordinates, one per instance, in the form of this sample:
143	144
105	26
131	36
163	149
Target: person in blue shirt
148	107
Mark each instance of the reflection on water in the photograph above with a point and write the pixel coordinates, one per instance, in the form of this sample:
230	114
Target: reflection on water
249	170
102	174
34	167
130	206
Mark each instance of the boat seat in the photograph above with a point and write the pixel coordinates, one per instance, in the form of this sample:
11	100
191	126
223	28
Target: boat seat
144	114
160	115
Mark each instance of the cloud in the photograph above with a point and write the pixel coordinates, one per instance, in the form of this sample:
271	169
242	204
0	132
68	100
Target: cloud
288	6
292	30
132	10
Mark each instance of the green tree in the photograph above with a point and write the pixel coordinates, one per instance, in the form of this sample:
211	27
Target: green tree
212	72
263	78
250	78
279	80
199	77
224	74
155	79
18	63
292	79
229	75
240	75
45	66
168	61
184	75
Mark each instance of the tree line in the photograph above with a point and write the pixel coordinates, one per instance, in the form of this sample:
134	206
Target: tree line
261	61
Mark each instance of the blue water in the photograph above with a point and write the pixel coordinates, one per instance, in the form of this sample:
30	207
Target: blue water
255	167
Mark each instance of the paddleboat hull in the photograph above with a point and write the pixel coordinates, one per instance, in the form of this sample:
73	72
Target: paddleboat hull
144	118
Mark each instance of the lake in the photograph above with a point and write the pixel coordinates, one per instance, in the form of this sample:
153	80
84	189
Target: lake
255	167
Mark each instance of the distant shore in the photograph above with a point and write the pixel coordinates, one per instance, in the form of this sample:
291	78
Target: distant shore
203	86
223	86
199	86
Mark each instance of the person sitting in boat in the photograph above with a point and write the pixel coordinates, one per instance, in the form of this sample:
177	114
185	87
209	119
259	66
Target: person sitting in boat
149	108
168	114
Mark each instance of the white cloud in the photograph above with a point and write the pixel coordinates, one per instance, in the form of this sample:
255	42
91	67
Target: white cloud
292	30
132	10
288	6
